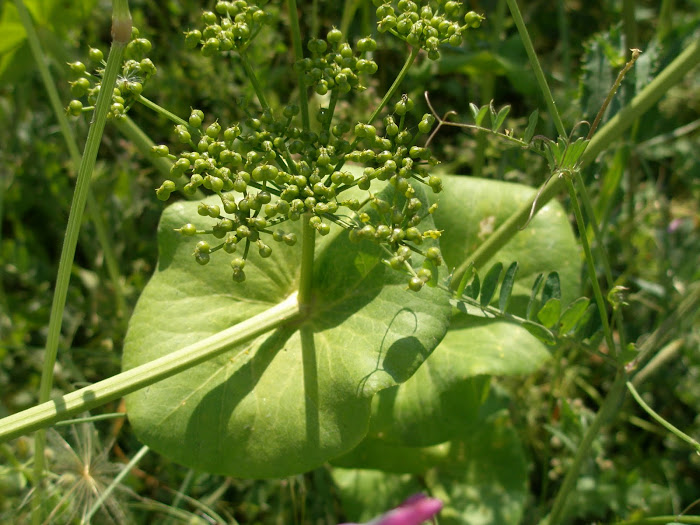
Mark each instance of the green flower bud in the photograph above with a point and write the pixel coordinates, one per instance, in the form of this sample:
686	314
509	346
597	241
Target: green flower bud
95	54
75	108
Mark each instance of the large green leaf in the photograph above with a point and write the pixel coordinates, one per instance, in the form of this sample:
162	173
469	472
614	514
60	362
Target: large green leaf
471	209
443	398
295	397
481	478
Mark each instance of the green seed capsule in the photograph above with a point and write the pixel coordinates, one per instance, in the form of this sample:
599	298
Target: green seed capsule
415	284
95	54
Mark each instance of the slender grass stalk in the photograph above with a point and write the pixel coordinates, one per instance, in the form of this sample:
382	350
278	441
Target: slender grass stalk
661	421
298	55
536	67
90	419
121	33
115	482
60	408
661	520
72	145
605	413
590	264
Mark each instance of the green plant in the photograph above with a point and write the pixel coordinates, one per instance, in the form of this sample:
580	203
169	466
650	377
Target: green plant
339	311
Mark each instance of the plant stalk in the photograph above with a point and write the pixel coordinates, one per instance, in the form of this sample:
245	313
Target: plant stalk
298	55
612	130
46	414
536	67
397	83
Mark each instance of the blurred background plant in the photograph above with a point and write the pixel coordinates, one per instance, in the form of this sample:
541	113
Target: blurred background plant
646	193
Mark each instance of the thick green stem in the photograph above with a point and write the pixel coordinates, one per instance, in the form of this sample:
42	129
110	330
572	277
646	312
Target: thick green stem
46	414
536	67
611	131
298	55
308	246
395	86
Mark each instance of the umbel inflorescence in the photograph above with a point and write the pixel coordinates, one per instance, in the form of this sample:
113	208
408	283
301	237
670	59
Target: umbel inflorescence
276	167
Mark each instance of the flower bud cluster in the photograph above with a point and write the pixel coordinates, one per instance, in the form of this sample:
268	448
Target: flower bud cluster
137	69
231	26
267	172
334	64
428	25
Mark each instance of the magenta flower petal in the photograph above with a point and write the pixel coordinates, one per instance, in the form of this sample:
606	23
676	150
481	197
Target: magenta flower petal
415	510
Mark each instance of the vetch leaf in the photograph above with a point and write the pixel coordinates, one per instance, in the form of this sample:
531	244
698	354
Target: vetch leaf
473	288
540	332
500	118
533	304
552	287
507	286
572	315
291	399
531	125
549	313
488	289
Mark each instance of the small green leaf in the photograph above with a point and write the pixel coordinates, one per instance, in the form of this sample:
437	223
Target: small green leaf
468	275
540	332
552	287
474	109
589	324
472	289
488	289
572	315
480	114
573	153
531	125
549	313
507	286
533	304
500	118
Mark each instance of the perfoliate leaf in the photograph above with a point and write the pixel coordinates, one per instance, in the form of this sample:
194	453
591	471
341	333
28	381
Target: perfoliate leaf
290	400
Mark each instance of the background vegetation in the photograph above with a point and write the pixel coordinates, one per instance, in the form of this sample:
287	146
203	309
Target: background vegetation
645	190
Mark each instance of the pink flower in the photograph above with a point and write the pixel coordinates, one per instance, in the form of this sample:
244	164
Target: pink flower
415	510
